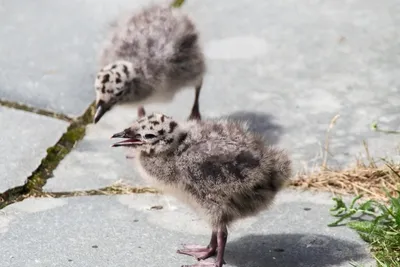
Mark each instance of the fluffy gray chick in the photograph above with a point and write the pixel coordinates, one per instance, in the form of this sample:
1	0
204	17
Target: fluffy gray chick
220	168
149	56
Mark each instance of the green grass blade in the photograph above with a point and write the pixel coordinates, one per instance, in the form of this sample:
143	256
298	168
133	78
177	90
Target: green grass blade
177	3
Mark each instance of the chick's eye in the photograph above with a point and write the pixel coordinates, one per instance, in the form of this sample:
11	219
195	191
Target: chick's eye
149	136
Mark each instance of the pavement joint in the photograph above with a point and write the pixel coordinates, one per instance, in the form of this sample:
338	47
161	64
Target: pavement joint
109	190
55	154
43	112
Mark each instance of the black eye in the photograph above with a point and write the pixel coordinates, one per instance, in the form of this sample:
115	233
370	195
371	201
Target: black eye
149	136
119	93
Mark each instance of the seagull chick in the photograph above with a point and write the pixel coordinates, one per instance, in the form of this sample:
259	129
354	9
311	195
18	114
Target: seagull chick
221	169
149	56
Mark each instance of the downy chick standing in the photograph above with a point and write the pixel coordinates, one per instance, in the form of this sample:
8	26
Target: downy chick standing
221	169
149	56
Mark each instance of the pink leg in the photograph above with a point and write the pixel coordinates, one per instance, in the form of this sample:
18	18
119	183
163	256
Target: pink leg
220	236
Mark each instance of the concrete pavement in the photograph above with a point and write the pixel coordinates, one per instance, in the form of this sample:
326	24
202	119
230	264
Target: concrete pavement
126	231
286	67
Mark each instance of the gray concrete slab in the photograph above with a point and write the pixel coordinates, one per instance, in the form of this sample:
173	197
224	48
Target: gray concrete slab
48	52
304	63
93	164
23	143
125	231
288	68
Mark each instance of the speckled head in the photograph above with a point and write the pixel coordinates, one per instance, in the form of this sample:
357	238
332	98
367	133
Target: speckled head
112	84
153	134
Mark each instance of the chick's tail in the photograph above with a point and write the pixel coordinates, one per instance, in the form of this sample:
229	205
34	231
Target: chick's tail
278	167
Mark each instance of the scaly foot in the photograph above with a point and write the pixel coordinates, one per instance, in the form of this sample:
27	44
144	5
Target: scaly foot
199	252
206	264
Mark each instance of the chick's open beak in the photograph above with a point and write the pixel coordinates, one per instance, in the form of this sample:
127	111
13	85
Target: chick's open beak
129	137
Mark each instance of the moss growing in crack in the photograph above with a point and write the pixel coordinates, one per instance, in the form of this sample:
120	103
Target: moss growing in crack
87	117
75	132
35	182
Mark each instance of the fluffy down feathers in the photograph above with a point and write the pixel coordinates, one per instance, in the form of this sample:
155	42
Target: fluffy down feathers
219	167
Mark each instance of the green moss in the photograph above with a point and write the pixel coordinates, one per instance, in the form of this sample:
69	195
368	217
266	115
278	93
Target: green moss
4	198
36	181
74	134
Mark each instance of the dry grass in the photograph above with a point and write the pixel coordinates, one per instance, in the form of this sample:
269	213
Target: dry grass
368	180
118	188
365	180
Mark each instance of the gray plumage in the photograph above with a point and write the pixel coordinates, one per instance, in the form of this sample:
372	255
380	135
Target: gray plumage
219	167
148	57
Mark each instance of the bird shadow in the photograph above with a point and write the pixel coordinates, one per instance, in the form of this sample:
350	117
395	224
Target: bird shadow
292	250
260	123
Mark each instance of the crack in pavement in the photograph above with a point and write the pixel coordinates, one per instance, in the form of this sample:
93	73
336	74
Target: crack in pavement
109	190
43	112
35	182
75	132
105	191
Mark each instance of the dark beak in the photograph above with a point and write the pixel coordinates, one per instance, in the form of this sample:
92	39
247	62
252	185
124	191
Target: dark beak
101	109
124	134
129	136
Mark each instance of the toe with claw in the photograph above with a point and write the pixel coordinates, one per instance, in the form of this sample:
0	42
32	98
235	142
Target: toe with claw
200	253
216	247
